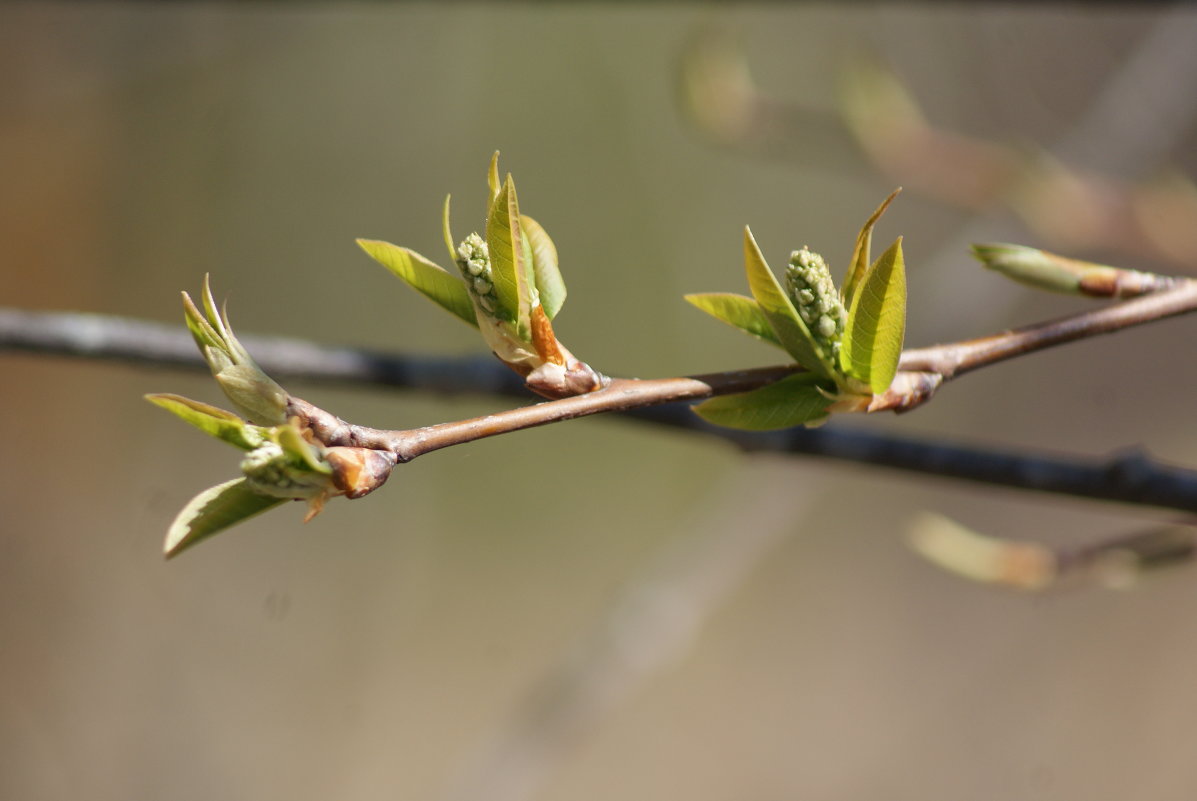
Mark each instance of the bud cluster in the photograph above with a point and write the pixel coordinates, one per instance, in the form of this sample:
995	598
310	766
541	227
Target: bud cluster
473	258
813	293
270	470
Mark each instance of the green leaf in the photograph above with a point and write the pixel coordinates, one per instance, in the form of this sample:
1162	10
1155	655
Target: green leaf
549	282
202	332
300	450
736	310
492	181
792	401
214	510
433	281
860	254
506	244
450	242
211	420
791	332
255	395
876	326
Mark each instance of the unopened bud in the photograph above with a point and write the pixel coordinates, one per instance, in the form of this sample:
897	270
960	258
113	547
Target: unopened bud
270	470
255	394
813	293
473	259
359	471
1044	270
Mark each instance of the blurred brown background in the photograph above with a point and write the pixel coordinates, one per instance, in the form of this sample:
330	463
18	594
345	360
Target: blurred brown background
711	626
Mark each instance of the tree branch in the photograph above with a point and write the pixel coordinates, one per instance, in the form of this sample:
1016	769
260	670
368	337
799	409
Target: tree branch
958	358
1131	477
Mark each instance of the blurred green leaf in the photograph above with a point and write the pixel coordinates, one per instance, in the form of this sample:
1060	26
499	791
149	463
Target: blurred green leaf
214	510
792	401
791	332
872	341
450	242
508	267
736	310
549	282
447	290
1043	270
211	420
860	254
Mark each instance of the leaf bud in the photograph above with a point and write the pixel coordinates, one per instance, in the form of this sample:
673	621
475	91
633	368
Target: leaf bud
1044	270
270	470
359	471
254	394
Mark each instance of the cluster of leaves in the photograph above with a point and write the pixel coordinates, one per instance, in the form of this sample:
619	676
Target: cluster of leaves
848	343
283	460
509	287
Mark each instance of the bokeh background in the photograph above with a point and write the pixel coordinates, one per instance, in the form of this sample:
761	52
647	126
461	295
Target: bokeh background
600	609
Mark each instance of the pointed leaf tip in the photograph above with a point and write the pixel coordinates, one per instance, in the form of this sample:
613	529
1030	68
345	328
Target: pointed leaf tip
861	256
492	180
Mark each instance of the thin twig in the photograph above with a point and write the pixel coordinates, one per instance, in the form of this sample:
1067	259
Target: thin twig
958	358
1131	478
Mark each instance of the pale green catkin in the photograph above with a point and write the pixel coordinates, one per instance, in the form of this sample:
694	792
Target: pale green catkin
473	258
813	293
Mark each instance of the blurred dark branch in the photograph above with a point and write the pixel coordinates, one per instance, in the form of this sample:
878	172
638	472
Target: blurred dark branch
147	344
1132	477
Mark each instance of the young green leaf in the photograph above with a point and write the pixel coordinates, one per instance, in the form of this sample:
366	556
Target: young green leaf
202	332
257	396
1043	270
794	400
549	282
736	310
791	332
872	341
446	232
214	510
505	241
446	289
300	450
492	181
861	258
211	420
